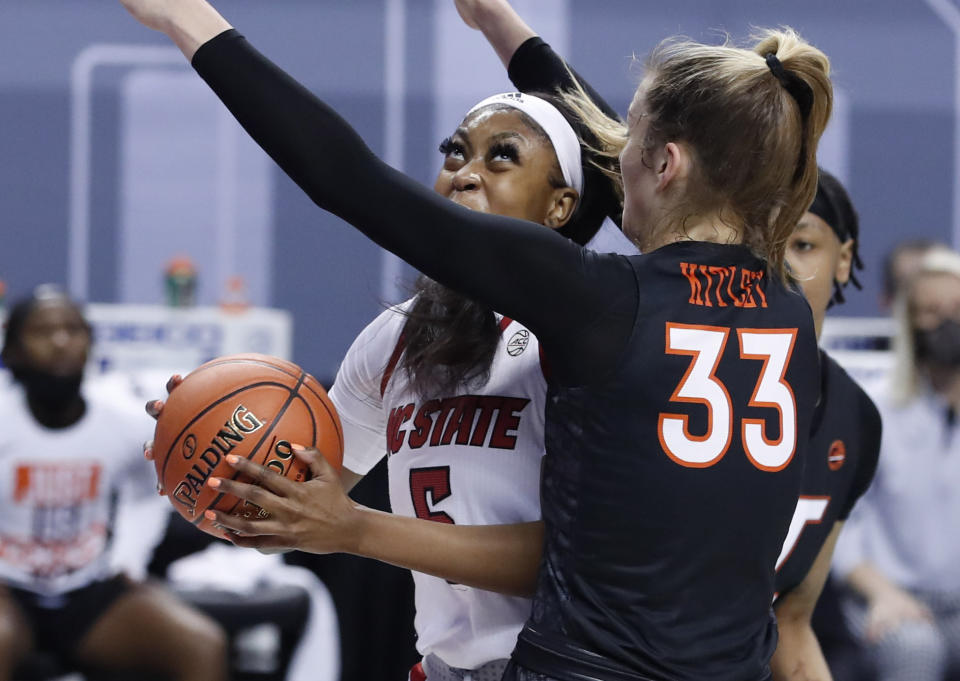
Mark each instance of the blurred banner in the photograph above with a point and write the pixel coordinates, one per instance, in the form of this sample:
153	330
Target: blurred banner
136	338
863	346
160	340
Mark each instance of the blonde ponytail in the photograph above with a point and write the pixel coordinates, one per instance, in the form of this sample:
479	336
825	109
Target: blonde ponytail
740	112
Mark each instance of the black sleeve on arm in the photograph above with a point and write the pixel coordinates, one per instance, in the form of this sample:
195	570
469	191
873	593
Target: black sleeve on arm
536	67
871	432
565	295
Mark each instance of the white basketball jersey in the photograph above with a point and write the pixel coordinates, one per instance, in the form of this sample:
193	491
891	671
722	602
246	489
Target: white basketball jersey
470	458
58	489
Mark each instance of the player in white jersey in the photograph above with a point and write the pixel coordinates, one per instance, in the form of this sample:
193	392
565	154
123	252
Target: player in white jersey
66	454
470	456
454	394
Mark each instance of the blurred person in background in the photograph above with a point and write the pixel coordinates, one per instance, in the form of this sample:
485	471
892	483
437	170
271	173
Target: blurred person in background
900	556
66	454
899	266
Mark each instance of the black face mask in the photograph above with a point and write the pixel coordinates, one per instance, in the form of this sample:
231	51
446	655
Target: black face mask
939	346
50	392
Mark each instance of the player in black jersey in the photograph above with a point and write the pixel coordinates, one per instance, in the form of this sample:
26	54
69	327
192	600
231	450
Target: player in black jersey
682	381
845	438
844	443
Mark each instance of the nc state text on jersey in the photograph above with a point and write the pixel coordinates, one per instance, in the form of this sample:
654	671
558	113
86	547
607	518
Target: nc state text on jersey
466	417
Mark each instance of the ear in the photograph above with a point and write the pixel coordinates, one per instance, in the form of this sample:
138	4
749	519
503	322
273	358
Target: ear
844	262
562	205
672	164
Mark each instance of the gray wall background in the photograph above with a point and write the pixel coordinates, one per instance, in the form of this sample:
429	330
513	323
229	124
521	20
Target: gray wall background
402	71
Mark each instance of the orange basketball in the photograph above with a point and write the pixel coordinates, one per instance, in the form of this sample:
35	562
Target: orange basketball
249	405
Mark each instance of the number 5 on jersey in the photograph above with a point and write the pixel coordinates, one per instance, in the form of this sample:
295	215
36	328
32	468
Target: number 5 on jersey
700	385
430	486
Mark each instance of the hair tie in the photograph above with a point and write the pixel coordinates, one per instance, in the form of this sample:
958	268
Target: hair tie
802	93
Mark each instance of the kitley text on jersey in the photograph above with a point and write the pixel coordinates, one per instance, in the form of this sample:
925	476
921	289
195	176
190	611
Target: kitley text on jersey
721	286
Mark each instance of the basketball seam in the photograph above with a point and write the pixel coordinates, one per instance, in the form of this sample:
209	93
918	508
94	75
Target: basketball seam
334	417
258	362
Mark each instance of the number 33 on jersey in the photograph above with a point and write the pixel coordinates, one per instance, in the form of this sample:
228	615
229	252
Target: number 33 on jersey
765	351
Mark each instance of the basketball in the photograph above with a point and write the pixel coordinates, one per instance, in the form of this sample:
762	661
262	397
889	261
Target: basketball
250	405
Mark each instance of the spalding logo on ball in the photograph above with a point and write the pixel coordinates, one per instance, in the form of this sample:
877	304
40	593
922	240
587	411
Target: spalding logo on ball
251	405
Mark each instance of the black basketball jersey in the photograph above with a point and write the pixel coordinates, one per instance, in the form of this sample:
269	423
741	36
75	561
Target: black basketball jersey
659	554
840	462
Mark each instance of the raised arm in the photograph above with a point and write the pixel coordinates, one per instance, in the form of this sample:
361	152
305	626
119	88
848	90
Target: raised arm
531	64
500	24
534	67
520	269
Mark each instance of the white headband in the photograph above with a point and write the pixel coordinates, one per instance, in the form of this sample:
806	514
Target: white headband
565	142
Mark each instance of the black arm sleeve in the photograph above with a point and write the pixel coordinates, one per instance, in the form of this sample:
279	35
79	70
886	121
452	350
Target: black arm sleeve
871	426
536	67
571	298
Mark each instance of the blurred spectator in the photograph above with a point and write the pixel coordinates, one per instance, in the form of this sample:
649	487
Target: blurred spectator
900	552
67	454
901	263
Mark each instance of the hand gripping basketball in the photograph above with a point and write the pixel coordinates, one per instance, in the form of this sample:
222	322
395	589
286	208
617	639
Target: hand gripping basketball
247	406
314	516
154	408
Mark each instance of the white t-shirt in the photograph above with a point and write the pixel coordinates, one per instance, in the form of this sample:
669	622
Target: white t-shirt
59	489
907	524
472	458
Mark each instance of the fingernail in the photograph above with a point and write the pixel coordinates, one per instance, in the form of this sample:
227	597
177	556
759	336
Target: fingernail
297	448
232	459
209	515
214	482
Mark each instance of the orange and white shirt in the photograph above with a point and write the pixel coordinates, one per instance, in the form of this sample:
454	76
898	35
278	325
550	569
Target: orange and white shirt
59	490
